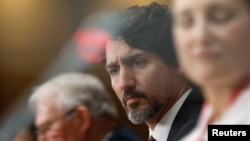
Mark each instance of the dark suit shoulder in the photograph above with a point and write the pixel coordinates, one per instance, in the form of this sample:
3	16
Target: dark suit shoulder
187	116
124	133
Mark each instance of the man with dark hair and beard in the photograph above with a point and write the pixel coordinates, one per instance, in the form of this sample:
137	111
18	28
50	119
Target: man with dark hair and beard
141	62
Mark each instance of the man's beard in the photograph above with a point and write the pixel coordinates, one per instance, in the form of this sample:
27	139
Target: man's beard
140	115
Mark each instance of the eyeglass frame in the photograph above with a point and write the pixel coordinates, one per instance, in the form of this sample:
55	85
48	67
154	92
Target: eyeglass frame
45	128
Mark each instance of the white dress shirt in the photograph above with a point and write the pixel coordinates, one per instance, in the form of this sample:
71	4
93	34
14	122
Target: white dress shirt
161	131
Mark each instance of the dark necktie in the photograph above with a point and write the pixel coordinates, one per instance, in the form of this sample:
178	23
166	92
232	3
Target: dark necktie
151	138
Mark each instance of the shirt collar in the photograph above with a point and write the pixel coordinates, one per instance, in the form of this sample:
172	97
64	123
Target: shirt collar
161	131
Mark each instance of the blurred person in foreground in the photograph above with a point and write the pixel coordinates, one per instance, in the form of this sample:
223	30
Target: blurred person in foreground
76	107
144	73
213	44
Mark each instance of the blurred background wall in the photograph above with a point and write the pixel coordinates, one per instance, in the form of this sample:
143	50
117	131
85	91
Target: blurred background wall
36	44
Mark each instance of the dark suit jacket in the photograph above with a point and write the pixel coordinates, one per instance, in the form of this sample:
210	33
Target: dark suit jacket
187	116
124	133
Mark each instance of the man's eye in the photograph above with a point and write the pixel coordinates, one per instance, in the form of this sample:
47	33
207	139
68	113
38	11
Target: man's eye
43	129
113	71
139	62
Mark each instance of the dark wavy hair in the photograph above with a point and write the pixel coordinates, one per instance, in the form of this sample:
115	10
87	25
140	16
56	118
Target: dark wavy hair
146	28
248	3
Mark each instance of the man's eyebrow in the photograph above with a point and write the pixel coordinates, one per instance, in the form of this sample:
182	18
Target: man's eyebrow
132	57
127	60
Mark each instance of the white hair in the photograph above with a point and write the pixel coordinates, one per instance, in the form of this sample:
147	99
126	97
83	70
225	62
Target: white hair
74	89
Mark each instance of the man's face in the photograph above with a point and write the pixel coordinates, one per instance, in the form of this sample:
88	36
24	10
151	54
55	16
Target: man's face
141	80
52	123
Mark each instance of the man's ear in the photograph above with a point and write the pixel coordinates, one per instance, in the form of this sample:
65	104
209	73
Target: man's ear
85	118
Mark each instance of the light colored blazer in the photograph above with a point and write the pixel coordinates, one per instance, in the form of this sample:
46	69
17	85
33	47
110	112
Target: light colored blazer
238	113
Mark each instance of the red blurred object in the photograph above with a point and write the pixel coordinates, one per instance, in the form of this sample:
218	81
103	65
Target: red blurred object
91	44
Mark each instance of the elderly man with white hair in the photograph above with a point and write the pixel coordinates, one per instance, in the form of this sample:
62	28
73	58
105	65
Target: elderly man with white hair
76	107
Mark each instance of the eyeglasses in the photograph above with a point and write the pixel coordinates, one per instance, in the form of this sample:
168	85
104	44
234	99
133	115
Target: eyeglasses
45	128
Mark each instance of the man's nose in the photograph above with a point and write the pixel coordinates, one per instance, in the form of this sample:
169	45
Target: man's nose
126	79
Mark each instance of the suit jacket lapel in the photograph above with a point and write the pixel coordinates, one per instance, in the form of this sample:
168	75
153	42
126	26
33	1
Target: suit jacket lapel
187	116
